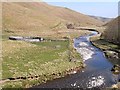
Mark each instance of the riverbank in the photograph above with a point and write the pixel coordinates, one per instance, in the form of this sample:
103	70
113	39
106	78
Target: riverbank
112	52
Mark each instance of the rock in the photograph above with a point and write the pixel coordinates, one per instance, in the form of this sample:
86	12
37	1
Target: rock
114	86
73	85
118	84
83	71
116	69
115	56
73	72
112	54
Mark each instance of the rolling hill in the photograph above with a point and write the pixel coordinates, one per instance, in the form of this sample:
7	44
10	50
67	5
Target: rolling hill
103	19
112	32
41	19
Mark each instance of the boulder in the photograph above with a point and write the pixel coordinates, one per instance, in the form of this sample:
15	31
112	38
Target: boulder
116	69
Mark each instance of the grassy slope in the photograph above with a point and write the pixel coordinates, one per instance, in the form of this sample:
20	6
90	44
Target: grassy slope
112	33
40	19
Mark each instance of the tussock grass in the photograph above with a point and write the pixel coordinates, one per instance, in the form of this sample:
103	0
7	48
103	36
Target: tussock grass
105	45
23	57
48	60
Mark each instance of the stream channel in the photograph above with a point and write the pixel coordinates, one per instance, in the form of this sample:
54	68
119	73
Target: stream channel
97	73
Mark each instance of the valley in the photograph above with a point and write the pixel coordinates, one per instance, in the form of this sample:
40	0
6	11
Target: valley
27	64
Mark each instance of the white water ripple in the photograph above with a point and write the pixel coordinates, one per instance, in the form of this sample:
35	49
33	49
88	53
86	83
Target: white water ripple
85	50
96	81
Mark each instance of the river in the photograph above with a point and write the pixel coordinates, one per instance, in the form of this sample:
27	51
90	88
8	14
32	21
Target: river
96	74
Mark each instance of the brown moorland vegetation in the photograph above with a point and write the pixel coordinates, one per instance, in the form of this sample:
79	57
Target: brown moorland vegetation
112	32
41	19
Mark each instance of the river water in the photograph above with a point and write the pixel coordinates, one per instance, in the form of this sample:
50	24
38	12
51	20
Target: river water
96	74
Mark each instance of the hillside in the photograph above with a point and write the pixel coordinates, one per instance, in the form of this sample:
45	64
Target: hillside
41	19
112	32
103	19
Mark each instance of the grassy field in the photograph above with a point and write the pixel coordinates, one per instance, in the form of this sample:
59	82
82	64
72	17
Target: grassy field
41	61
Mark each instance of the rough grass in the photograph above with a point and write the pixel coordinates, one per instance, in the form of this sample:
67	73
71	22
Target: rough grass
105	45
76	33
22	57
48	60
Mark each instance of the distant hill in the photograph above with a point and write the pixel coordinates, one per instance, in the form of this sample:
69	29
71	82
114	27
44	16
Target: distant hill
103	19
41	19
112	32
